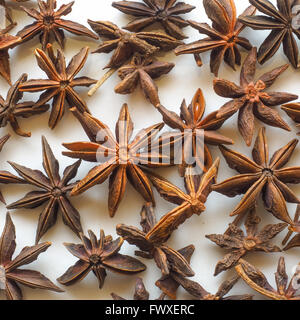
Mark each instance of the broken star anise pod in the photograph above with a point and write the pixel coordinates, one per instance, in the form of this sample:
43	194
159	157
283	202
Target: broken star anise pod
295	227
196	132
49	24
293	111
257	281
165	12
61	82
251	99
8	10
53	191
141	71
140	292
10	274
223	37
10	109
98	256
262	176
280	22
166	258
239	244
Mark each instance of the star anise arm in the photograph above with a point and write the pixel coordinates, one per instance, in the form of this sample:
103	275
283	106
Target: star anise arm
295	242
13	291
134	8
7	241
124	264
75	273
282	156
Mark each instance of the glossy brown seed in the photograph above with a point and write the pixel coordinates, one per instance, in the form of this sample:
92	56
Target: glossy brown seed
293	111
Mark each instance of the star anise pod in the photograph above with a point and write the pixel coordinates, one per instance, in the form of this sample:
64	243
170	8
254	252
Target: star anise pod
166	258
49	24
257	281
120	158
140	292
7	42
251	99
10	274
98	256
223	37
10	109
280	22
8	10
141	71
192	202
195	132
295	227
61	82
239	244
293	111
261	176
53	191
165	12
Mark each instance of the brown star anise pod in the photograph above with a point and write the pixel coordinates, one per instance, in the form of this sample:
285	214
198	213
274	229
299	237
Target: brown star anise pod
251	99
8	10
141	71
61	82
223	37
165	12
195	132
10	109
140	292
49	24
53	190
280	22
257	281
166	258
239	244
261	176
7	42
121	158
10	274
295	227
98	256
293	111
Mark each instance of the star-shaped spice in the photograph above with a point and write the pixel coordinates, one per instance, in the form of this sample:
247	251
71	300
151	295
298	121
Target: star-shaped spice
53	191
10	274
293	111
280	22
98	256
61	82
49	24
251	99
262	176
140	292
10	109
192	202
295	227
239	244
195	132
166	258
223	37
257	281
121	158
165	12
141	71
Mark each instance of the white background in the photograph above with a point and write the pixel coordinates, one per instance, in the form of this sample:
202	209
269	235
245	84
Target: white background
181	83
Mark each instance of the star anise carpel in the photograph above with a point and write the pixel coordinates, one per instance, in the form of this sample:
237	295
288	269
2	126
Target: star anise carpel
223	38
49	24
164	12
293	111
294	228
257	281
98	255
11	276
270	178
53	191
251	99
140	292
280	21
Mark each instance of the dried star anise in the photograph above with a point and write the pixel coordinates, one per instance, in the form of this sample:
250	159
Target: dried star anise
295	241
223	37
140	292
165	12
261	176
10	109
195	132
293	111
10	274
198	188
166	258
61	82
49	24
251	99
8	10
257	281
239	244
53	191
121	158
97	256
141	71
280	22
